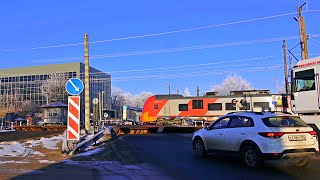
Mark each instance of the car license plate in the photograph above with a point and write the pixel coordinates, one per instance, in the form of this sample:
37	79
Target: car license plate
297	137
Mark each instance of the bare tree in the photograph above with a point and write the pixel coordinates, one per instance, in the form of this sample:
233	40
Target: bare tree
140	99
26	107
281	89
187	92
53	88
117	99
232	83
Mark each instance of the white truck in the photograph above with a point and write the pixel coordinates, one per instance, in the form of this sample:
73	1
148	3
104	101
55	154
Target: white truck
305	95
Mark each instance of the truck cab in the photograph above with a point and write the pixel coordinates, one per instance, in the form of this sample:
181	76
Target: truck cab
305	91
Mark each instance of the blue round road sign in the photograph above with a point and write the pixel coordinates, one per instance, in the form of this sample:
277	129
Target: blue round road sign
74	86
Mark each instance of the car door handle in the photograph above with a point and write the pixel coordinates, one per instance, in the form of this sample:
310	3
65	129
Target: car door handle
220	134
243	133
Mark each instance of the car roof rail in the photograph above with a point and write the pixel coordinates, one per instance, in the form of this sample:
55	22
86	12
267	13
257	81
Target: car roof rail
283	112
255	112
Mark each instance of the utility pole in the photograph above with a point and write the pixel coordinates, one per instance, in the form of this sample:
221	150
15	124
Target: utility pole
100	107
303	34
285	65
102	103
87	83
169	87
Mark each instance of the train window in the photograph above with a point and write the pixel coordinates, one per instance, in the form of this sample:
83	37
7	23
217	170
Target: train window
264	105
214	106
197	104
156	106
183	107
246	106
229	106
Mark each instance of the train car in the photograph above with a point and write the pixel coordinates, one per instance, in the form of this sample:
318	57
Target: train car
177	109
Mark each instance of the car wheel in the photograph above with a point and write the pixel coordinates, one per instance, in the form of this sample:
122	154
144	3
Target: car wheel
300	162
199	148
251	157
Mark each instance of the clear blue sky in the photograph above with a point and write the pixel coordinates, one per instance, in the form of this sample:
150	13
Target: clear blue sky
33	23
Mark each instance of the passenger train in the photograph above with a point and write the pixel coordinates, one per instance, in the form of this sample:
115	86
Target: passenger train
177	109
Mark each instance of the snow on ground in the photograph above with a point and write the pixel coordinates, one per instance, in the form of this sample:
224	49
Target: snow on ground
37	153
13	149
5	131
46	161
49	143
88	153
12	161
16	149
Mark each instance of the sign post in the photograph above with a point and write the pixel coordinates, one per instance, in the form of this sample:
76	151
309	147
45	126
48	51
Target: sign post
74	87
73	118
95	103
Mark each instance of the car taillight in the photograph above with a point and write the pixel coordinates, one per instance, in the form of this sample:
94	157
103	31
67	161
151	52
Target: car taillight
313	133
271	134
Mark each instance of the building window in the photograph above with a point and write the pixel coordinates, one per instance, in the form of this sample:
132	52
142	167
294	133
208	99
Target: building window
214	106
183	107
156	106
229	106
264	105
197	104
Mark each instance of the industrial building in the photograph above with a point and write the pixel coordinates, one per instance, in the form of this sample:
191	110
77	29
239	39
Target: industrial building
26	83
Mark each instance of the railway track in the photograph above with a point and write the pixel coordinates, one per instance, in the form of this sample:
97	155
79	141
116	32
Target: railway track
40	128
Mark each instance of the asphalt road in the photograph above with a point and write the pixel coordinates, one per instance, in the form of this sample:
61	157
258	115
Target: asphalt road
172	154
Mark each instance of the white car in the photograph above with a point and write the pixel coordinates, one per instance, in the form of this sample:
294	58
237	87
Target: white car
258	136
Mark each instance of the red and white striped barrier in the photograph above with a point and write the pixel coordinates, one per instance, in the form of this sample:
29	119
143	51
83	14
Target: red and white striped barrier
73	128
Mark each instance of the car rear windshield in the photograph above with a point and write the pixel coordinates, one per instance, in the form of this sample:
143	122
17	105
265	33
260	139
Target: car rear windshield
284	121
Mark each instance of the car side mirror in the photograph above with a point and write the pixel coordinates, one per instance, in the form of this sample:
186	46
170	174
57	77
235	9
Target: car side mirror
207	127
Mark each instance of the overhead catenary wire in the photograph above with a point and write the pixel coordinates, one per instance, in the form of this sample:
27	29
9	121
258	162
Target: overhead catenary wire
159	51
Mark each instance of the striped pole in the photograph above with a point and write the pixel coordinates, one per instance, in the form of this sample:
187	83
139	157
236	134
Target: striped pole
73	118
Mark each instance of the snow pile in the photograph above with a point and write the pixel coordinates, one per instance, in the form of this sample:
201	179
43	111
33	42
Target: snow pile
88	153
49	143
13	149
16	149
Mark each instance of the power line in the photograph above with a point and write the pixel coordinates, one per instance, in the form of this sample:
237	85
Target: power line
159	51
166	32
205	73
315	41
186	66
192	29
229	62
